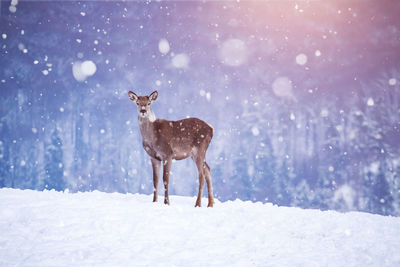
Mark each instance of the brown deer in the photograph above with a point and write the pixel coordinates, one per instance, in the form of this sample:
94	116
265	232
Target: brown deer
165	141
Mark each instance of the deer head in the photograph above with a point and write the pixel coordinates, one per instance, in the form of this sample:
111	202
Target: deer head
143	104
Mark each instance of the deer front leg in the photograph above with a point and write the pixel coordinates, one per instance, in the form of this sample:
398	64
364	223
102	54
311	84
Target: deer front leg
166	170
156	174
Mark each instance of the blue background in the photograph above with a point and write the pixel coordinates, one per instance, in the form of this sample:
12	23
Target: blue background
304	97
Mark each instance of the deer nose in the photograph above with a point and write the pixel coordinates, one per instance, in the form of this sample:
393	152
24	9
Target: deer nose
143	111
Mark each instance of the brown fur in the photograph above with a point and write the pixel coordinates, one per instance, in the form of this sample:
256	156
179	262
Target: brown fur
165	141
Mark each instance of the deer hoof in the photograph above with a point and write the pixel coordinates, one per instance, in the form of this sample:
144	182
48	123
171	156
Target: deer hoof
166	201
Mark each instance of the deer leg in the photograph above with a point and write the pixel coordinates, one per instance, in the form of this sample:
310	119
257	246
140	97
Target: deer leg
207	172
156	174
166	170
200	169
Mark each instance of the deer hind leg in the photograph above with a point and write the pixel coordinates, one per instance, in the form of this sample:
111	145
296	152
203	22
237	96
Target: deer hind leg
207	172
166	171
156	174
200	168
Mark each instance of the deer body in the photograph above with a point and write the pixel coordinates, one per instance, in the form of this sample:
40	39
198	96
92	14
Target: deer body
165	141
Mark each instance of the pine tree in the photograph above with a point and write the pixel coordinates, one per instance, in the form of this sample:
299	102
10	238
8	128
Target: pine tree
54	168
240	180
264	172
4	166
381	197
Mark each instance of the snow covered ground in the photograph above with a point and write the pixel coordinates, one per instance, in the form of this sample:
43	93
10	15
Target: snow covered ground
99	229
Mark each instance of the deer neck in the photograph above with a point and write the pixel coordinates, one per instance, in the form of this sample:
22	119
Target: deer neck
146	125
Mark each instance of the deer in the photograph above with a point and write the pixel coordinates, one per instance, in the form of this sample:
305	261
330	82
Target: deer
165	141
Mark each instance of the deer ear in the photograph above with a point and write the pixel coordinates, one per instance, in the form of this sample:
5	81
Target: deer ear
153	96
133	96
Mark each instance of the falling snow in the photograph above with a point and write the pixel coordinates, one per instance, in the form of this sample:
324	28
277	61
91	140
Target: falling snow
233	52
83	70
163	46
255	131
180	61
301	59
282	86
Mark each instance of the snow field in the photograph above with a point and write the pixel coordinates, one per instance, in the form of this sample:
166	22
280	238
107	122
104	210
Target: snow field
100	229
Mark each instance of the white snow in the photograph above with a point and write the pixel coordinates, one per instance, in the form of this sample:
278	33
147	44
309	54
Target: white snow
12	9
301	59
100	229
163	46
4	36
324	112
347	194
392	81
82	70
208	96
180	61
255	131
88	68
282	87
233	52
370	101
21	46
373	168
317	53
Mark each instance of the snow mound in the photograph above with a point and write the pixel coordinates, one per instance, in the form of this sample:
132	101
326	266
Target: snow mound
101	229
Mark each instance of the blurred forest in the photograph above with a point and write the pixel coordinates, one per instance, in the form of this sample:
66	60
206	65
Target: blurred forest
304	98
